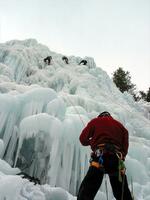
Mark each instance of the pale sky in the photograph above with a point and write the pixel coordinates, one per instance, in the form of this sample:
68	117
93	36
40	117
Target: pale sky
116	33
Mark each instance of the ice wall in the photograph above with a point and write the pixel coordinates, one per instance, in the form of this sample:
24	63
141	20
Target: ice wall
45	107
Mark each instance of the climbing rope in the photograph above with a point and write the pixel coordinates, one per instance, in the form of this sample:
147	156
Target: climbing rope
106	187
75	109
132	192
123	180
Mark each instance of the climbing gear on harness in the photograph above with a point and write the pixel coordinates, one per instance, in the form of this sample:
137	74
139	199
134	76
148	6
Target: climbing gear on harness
96	164
121	166
99	163
122	169
109	159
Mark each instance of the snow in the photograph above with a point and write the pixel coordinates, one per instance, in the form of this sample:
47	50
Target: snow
43	110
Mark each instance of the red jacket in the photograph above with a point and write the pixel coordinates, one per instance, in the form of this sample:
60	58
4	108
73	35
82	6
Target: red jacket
102	130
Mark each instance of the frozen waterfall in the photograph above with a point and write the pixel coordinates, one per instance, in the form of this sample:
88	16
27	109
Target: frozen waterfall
43	110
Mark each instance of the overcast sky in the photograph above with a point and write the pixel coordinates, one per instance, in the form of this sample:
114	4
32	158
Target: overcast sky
116	33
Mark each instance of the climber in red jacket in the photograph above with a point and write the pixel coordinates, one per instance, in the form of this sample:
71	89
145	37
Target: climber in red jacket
108	139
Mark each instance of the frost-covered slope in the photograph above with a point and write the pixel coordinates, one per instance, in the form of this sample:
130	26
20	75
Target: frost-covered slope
45	107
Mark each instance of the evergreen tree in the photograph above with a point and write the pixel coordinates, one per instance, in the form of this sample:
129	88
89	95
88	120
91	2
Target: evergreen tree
122	80
143	95
148	95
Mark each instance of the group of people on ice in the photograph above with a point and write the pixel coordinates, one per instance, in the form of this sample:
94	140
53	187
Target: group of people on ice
108	139
48	60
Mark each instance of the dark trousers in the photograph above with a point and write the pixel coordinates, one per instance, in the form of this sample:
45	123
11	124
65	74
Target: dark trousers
93	180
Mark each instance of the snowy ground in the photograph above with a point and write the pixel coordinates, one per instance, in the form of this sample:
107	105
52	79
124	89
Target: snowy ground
43	110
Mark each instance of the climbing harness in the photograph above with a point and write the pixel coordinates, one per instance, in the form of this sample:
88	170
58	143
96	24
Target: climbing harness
99	160
99	163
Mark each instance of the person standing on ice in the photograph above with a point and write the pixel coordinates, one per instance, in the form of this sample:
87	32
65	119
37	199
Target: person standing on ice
108	139
64	58
84	62
47	60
